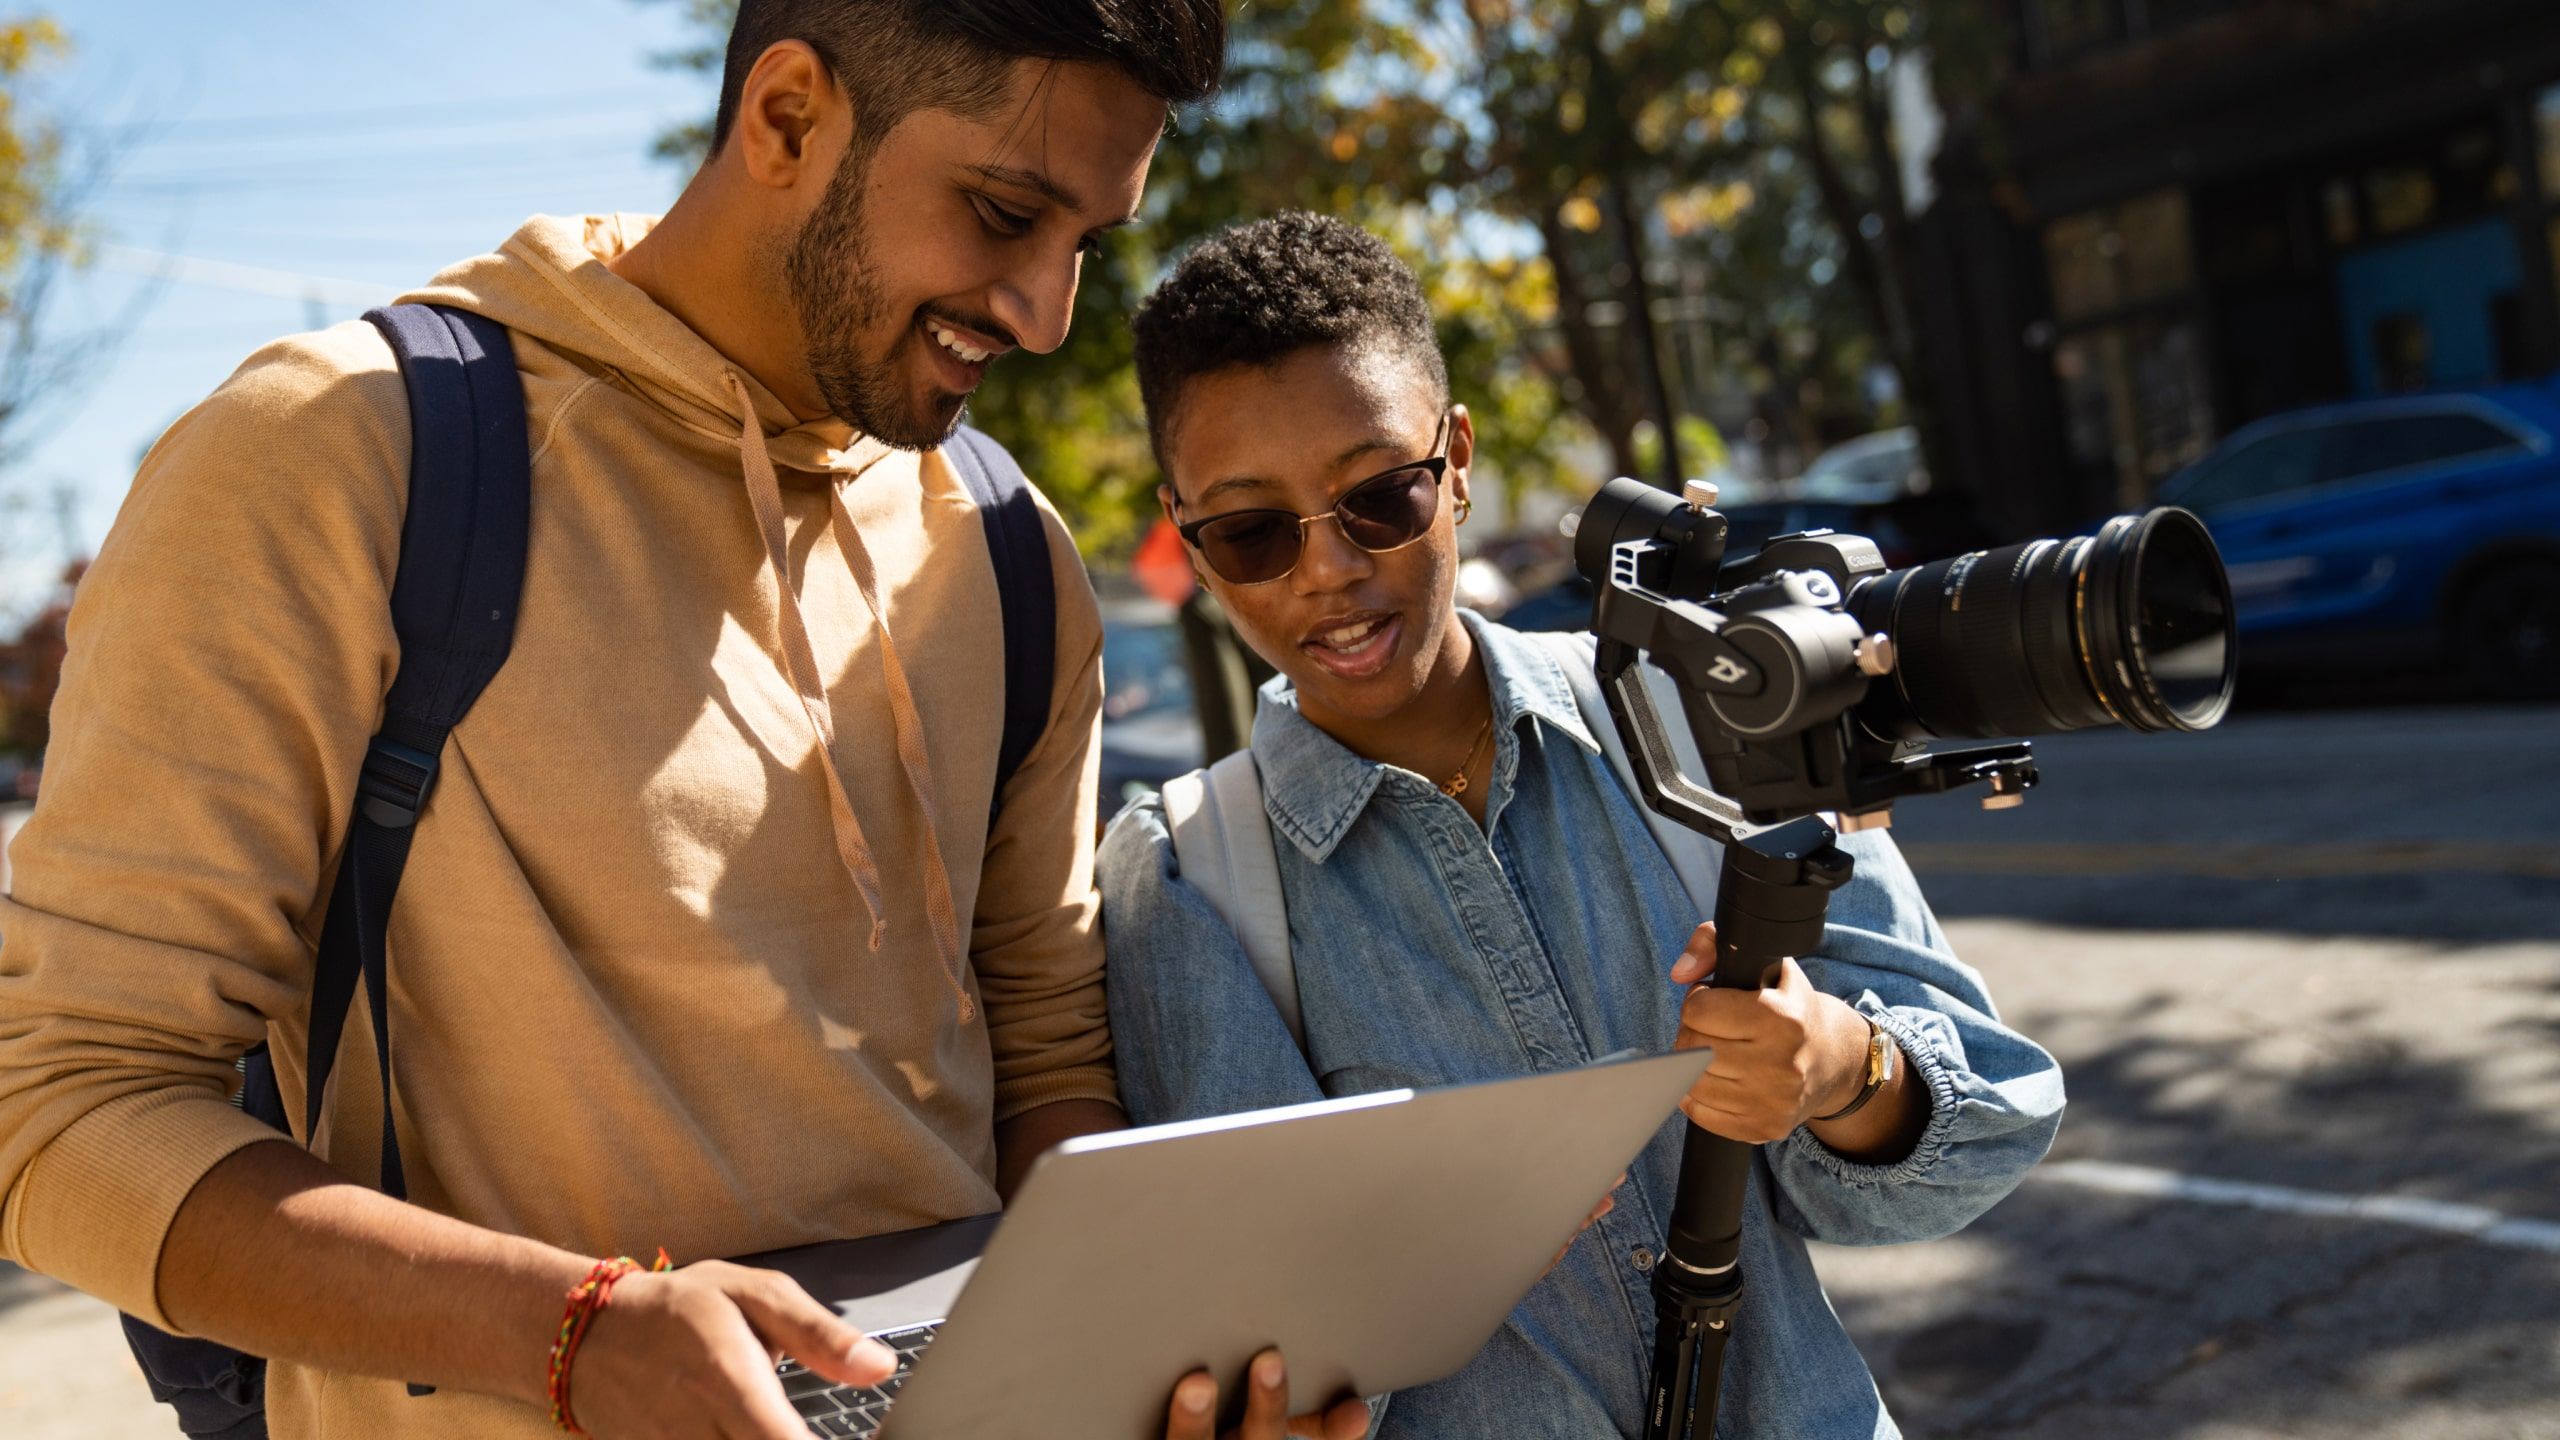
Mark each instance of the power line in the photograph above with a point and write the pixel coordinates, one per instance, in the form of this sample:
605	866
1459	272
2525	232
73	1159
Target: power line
352	121
247	279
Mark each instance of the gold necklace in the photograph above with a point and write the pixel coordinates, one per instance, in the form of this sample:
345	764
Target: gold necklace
1456	785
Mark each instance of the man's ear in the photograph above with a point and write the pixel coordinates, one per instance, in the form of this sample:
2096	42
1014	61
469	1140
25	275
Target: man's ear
1167	499
1462	451
788	96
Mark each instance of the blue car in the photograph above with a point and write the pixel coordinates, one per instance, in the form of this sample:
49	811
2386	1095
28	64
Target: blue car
2383	534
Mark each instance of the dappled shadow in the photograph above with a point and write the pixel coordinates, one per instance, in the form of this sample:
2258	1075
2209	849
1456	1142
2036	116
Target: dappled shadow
2072	1311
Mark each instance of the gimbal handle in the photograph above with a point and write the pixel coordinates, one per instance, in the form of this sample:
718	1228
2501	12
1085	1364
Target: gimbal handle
1773	892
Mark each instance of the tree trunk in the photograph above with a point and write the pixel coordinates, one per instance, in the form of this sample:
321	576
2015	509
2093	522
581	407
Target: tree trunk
1600	396
1646	341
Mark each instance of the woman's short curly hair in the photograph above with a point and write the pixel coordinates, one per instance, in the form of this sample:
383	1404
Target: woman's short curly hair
1255	294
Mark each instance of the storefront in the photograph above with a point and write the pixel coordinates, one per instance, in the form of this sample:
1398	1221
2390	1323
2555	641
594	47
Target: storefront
2209	231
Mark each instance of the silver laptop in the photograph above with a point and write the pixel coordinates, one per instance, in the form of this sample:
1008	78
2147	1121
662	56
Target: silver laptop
1378	1240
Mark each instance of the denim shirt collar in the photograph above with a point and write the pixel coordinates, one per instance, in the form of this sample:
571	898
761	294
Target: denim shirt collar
1314	787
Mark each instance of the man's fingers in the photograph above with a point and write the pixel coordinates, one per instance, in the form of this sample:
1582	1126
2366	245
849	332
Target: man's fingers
1193	1408
785	1317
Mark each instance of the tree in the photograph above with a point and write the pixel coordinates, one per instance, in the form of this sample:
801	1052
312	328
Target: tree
41	241
1628	213
31	670
1074	418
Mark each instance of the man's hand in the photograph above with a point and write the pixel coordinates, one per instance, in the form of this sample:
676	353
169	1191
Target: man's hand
1194	1408
1784	1054
690	1353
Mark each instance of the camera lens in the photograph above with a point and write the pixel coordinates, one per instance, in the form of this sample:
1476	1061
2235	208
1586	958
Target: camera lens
2130	626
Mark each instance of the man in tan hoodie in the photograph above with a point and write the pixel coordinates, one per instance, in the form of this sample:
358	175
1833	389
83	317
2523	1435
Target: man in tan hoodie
707	940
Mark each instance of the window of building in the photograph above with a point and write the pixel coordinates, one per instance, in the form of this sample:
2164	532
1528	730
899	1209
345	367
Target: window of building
2401	198
2059	28
2122	255
2546	131
2403	351
2338	209
2135	403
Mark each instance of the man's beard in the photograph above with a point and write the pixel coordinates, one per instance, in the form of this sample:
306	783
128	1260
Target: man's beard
838	301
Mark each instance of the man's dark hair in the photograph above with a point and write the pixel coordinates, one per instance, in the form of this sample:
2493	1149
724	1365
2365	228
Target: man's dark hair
1260	292
895	57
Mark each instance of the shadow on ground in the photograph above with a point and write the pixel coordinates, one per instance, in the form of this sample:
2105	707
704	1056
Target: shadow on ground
2326	1066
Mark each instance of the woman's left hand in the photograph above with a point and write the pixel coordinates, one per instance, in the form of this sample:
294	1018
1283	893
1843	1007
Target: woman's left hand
1784	1053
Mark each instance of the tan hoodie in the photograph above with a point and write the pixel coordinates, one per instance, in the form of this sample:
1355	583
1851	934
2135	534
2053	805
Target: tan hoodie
635	1001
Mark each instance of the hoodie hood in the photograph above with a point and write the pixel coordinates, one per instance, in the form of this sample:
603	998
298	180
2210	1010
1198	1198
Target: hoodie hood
549	281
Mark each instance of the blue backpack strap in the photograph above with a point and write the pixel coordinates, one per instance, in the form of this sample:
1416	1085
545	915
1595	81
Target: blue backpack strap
1026	591
453	605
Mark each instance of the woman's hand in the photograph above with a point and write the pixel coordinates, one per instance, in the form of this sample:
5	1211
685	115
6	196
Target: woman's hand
690	1353
1194	1409
1784	1054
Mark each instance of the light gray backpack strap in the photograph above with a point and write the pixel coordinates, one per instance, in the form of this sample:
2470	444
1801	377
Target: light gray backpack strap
1694	858
1222	841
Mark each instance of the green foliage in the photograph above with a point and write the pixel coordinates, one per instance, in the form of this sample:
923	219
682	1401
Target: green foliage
30	152
1502	145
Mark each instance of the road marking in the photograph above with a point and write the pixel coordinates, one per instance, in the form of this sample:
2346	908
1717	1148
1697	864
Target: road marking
2243	862
2476	1222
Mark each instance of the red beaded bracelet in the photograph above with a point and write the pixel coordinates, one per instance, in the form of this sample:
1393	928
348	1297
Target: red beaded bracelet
587	1300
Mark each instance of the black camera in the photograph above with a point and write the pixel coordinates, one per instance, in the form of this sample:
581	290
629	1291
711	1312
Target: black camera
1813	678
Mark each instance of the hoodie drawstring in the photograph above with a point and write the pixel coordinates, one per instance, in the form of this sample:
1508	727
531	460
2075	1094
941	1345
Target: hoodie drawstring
800	663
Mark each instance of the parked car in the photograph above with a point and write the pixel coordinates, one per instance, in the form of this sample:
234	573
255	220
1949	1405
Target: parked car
1869	470
1908	530
2387	533
1150	731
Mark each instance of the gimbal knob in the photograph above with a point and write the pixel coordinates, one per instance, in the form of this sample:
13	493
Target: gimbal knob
1700	494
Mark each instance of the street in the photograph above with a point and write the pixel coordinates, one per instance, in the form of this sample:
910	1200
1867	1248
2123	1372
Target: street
2303	974
2317	954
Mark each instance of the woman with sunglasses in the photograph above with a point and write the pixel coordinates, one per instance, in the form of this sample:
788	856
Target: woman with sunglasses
1472	893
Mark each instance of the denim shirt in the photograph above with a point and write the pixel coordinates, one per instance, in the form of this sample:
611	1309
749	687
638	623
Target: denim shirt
1429	952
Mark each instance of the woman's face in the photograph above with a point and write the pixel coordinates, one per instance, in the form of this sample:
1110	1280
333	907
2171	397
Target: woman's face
1358	632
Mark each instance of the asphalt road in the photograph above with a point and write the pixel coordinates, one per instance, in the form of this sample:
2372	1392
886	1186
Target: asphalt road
2317	954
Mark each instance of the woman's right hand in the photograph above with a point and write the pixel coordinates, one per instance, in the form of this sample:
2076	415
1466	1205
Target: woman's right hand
688	1354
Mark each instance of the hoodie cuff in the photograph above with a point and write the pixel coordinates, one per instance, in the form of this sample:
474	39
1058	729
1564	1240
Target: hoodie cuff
1018	1097
93	1208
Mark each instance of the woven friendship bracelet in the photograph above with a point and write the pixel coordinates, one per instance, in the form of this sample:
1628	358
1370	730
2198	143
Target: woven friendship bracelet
587	1300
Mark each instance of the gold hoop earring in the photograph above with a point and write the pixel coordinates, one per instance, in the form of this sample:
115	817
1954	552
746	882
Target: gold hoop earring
1465	509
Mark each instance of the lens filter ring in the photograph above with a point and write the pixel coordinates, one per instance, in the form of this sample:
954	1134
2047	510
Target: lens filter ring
2154	612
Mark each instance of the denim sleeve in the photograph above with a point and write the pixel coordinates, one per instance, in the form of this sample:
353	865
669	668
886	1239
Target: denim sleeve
1196	1033
1995	1097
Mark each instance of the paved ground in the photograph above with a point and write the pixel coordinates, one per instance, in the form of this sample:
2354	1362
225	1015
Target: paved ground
2313	951
2317	951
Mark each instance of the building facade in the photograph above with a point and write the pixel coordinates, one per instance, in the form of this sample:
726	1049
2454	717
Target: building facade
2178	216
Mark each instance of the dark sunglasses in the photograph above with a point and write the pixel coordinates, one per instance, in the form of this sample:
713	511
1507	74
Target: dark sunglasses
1387	511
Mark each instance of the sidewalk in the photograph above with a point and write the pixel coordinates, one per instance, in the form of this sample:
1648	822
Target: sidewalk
64	1371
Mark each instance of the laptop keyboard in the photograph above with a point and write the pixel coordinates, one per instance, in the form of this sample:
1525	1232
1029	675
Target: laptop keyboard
854	1412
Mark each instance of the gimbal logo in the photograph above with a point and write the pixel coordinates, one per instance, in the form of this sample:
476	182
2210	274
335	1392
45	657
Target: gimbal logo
1725	672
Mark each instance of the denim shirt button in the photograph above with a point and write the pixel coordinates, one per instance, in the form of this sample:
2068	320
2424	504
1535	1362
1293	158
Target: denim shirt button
1642	1258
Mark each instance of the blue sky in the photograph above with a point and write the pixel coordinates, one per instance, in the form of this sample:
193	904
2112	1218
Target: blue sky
304	160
